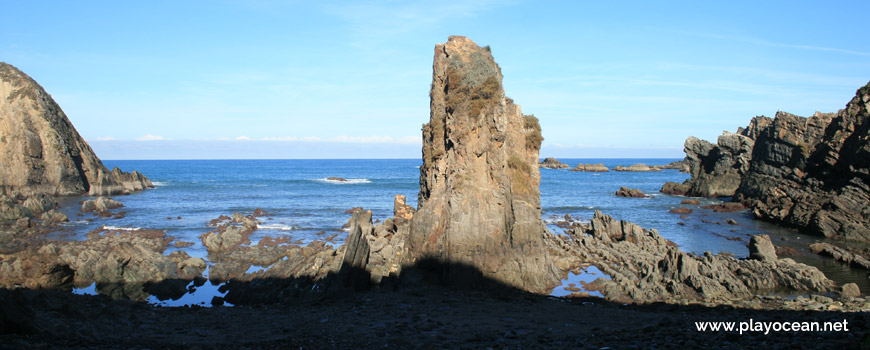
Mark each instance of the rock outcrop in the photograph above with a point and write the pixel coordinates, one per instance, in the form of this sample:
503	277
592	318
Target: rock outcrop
636	168
644	267
42	153
630	192
595	168
479	211
812	173
852	257
553	163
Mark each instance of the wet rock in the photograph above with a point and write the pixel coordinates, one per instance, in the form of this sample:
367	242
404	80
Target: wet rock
761	248
728	207
230	235
553	163
630	192
595	168
690	202
100	205
335	178
731	222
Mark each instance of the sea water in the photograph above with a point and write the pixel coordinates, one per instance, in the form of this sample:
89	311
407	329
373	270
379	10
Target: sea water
304	205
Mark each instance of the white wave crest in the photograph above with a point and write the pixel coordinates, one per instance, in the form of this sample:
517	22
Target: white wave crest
158	183
116	228
345	182
278	227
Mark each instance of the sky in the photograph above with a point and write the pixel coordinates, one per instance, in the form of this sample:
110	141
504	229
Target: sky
329	79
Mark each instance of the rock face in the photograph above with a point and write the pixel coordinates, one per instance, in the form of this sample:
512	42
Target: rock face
761	248
812	173
597	168
479	203
553	163
42	153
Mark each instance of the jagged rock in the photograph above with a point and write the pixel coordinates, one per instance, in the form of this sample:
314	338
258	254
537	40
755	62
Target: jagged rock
636	167
42	152
553	163
644	267
681	165
479	209
100	205
230	235
850	290
675	189
810	173
717	169
630	192
761	248
402	210
596	168
847	256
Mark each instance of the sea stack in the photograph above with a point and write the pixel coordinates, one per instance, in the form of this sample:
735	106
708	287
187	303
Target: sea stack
479	211
42	153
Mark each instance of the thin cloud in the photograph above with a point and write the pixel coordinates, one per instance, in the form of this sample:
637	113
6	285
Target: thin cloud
150	137
106	138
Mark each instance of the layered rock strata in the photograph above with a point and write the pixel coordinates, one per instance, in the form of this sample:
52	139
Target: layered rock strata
597	168
479	212
644	267
42	153
812	173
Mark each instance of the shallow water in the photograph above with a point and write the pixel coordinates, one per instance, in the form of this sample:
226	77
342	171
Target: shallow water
304	206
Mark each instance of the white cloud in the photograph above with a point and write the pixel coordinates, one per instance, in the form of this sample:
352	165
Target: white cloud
291	138
243	138
376	139
106	138
150	137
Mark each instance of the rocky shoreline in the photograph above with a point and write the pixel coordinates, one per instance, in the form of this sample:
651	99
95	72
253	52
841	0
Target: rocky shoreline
470	266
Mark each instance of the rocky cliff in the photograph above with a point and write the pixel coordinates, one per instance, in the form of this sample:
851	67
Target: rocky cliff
812	173
42	153
479	203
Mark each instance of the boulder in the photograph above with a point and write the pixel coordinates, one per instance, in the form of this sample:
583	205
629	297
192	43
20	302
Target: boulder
675	189
690	202
553	163
761	248
680	210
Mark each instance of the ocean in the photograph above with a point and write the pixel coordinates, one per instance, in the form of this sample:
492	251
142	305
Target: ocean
304	205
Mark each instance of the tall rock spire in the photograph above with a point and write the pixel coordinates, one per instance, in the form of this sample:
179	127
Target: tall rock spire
479	207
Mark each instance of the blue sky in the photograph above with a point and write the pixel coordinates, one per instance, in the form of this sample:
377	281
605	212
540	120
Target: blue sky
281	79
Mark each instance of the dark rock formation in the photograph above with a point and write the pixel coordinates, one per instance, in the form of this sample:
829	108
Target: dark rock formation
43	153
675	189
636	167
690	202
681	165
630	192
680	210
644	267
231	234
553	163
479	202
596	168
335	178
810	173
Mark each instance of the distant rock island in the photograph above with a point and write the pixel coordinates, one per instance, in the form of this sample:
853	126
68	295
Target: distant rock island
553	163
812	173
41	152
